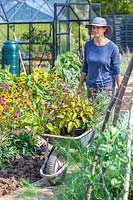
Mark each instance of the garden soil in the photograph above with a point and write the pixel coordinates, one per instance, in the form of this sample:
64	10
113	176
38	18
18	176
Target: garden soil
29	167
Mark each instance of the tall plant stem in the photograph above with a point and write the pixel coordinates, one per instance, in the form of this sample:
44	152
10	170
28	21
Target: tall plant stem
92	170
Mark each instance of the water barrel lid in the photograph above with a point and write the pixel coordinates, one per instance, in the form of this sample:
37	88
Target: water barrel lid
10	42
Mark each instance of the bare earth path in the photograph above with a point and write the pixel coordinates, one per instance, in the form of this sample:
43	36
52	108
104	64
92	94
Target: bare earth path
29	167
127	96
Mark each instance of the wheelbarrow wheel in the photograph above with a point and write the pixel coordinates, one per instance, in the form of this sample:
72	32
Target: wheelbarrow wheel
54	164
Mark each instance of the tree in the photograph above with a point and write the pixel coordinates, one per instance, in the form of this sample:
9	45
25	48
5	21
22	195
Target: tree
115	6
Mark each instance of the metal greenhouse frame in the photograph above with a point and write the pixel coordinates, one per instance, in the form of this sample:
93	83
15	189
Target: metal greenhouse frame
58	16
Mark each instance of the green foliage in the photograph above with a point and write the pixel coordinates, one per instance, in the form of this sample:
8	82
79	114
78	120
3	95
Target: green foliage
68	111
37	36
115	6
12	145
68	67
75	35
108	180
46	101
100	102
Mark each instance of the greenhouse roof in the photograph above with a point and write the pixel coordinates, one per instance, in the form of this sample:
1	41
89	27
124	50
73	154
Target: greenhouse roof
25	11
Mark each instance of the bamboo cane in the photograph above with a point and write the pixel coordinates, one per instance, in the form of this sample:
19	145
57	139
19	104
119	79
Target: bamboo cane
20	56
128	152
121	92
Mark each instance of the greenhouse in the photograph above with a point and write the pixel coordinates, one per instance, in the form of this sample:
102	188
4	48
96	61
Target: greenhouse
46	28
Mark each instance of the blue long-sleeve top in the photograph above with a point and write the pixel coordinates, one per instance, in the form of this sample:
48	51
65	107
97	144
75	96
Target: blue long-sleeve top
101	64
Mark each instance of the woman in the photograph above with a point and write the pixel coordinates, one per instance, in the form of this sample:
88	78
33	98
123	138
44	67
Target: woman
101	67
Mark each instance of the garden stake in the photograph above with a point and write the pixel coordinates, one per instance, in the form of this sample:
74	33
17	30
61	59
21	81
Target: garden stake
42	57
119	95
20	54
14	34
129	143
94	159
121	91
92	170
106	119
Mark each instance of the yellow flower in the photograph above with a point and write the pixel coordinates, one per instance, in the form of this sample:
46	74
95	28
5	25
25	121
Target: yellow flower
8	98
22	74
1	109
26	96
45	82
10	94
25	101
11	110
21	83
36	69
3	118
21	105
55	76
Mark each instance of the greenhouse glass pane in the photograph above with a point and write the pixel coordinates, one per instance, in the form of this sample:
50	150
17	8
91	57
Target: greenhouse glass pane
8	4
78	1
40	6
67	13
33	10
28	14
2	16
81	11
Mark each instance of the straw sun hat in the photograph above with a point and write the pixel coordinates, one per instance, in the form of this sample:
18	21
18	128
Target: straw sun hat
99	21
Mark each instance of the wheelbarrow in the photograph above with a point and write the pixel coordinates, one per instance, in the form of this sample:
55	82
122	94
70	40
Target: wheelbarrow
54	166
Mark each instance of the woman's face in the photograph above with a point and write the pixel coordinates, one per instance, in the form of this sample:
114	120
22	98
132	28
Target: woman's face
98	31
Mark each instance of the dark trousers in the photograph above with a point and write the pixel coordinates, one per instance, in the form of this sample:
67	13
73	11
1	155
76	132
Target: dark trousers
91	92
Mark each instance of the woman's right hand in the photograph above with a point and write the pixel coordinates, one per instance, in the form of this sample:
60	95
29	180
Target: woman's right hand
79	90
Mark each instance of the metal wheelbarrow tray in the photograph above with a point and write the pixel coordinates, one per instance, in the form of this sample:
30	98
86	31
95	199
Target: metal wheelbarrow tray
54	166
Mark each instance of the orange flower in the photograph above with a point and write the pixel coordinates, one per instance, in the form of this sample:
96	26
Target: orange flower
25	101
19	91
16	116
15	99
